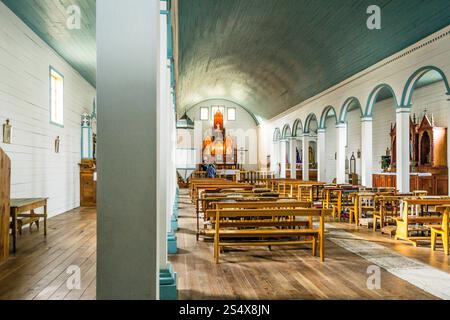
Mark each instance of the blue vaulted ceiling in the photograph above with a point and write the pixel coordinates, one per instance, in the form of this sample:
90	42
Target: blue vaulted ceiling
270	55
48	19
266	55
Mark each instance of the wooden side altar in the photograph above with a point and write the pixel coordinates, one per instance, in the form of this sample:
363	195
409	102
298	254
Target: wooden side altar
5	185
88	183
428	158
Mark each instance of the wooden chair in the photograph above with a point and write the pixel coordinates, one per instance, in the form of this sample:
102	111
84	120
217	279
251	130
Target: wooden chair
388	208
441	230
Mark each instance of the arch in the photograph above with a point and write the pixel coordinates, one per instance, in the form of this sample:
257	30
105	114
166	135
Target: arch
276	135
416	76
286	133
308	120
346	106
374	95
298	126
323	118
255	117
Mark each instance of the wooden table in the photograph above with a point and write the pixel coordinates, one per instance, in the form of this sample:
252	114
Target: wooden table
18	209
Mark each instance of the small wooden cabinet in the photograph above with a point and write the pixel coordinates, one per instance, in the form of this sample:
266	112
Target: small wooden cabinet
88	183
5	188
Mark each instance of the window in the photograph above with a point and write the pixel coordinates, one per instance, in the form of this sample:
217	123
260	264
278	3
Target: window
56	98
214	110
231	114
204	113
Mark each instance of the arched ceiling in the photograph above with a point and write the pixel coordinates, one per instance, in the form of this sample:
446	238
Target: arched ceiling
270	55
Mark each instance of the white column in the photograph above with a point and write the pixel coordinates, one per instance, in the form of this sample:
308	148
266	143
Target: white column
283	153
305	157
127	220
321	156
366	152
293	157
403	149
163	147
341	134
274	157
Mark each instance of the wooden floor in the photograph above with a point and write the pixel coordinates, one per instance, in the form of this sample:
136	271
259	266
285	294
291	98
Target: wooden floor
39	270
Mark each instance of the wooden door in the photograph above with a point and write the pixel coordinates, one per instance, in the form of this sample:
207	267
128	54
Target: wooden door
5	185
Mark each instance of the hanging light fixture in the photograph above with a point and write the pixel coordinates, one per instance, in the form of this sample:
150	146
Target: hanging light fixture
185	122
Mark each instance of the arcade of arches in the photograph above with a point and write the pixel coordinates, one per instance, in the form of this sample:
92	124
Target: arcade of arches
237	149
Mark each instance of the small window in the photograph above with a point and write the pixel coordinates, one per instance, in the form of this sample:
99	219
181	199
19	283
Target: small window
56	98
231	114
204	114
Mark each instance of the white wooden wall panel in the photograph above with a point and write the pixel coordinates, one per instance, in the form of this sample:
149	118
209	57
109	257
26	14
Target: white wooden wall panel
24	99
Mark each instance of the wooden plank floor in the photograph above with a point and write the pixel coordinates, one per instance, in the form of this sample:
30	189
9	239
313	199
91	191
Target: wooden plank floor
284	273
39	270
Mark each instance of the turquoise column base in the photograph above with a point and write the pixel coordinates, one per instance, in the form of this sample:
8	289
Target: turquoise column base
168	284
174	223
172	247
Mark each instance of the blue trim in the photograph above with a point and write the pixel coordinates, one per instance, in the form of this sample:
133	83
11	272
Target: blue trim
346	106
285	134
50	95
416	76
168	284
276	135
308	120
172	247
297	123
323	118
373	97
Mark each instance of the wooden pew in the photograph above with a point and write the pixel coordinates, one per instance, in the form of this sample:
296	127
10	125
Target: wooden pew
413	219
267	226
5	187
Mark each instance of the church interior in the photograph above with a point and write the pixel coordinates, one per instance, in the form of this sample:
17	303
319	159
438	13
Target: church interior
224	150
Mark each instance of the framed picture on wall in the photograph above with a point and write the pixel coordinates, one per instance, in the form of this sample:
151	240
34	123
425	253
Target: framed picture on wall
7	128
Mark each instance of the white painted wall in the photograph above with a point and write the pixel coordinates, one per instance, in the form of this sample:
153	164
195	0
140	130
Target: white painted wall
394	71
244	130
24	99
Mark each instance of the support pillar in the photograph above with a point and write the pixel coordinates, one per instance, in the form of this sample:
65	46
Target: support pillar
283	152
305	157
403	149
321	156
366	153
127	75
341	134
293	157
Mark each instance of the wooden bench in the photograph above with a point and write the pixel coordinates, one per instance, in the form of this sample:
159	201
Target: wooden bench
267	226
413	219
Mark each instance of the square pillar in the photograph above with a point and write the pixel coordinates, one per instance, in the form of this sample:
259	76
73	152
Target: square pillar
127	91
403	149
305	157
321	156
283	153
293	157
274	158
341	135
367	152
